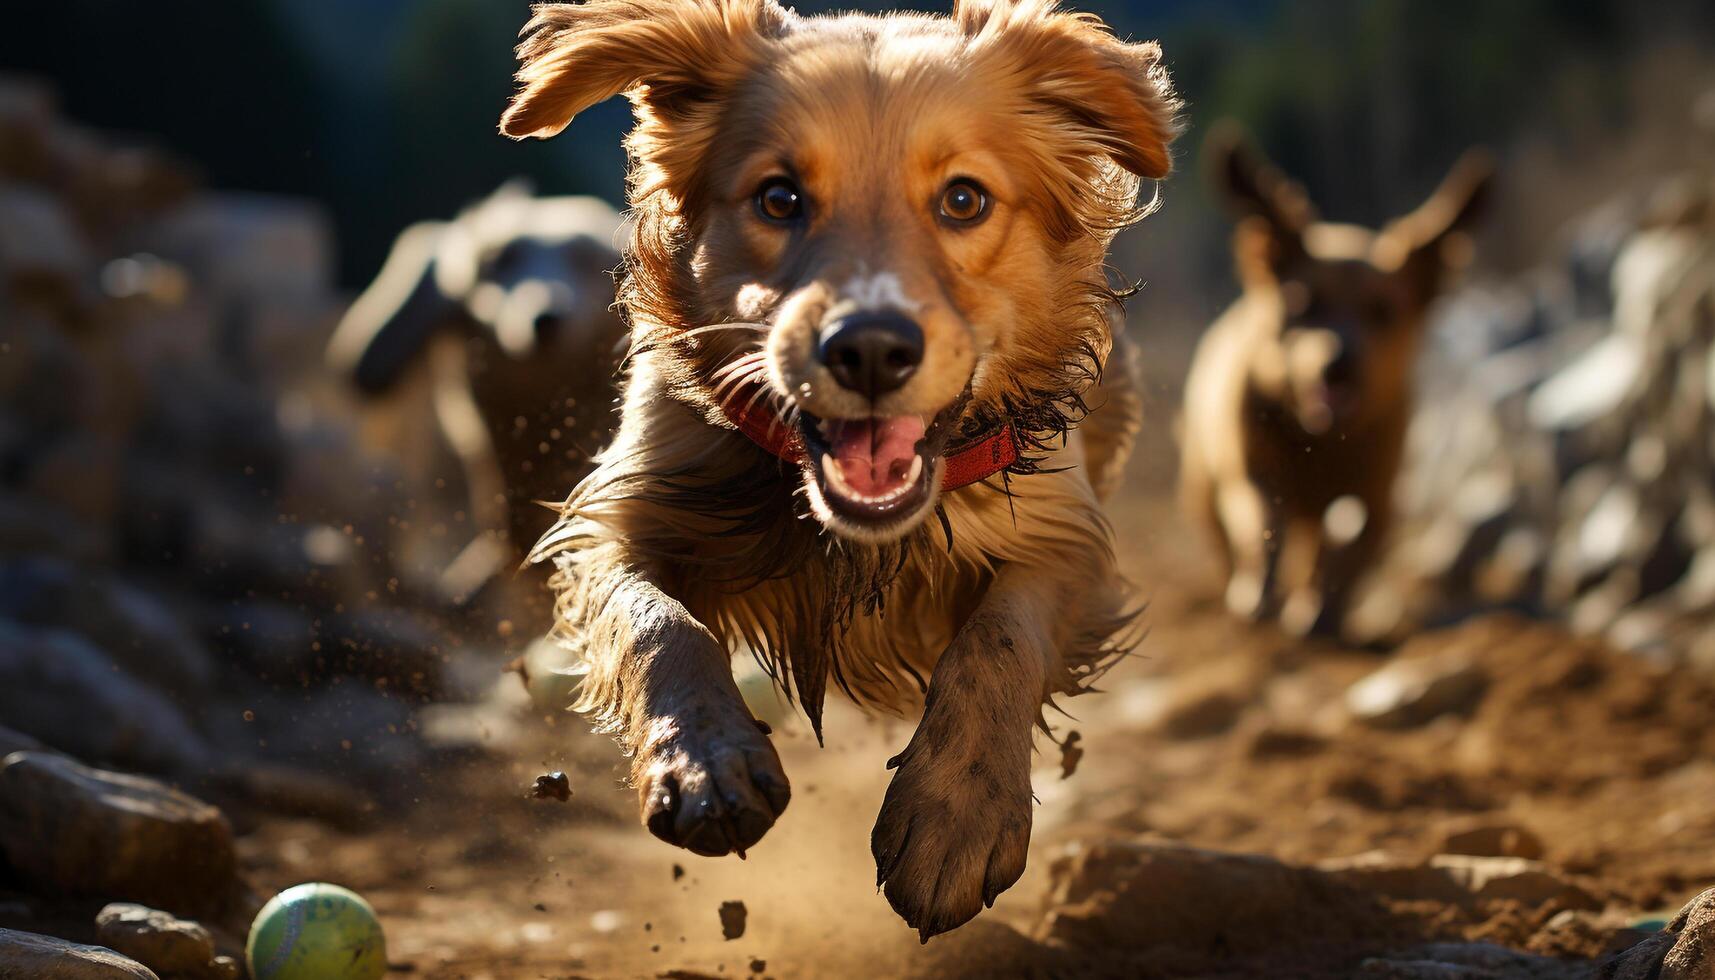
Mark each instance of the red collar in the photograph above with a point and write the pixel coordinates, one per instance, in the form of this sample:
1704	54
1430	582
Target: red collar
749	411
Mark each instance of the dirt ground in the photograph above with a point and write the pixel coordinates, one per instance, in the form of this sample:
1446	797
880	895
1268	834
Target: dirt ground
1216	734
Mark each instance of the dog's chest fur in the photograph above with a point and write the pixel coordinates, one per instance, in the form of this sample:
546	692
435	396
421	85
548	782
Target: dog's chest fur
721	524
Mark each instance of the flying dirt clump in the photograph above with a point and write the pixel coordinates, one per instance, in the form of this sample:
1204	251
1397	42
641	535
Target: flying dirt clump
1070	754
551	786
732	919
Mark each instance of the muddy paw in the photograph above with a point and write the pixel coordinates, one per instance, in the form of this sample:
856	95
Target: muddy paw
952	835
712	789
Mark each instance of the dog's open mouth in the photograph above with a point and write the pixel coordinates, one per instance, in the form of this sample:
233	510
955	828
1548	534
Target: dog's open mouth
874	470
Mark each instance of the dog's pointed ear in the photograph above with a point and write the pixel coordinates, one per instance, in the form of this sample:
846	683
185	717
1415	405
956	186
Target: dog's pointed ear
1434	239
575	55
1073	63
1272	210
387	326
1250	185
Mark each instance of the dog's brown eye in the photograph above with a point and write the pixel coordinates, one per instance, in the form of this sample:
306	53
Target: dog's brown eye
963	203
779	200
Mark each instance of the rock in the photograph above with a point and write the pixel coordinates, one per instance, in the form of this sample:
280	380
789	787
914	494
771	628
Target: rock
1584	934
1511	879
1685	950
1144	895
1413	691
38	239
68	829
983	948
38	527
80	474
60	688
1459	879
168	945
1487	839
133	627
290	791
1386	874
28	956
1470	961
250	248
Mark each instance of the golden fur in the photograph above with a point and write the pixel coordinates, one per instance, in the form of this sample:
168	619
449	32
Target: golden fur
690	543
1294	484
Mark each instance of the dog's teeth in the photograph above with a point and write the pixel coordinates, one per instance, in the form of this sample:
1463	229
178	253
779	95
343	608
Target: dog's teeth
836	479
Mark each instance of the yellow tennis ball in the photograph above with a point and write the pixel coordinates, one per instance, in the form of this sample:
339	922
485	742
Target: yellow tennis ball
316	931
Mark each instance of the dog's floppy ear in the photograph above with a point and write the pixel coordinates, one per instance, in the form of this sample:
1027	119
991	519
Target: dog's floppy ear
1073	63
575	55
1434	239
388	325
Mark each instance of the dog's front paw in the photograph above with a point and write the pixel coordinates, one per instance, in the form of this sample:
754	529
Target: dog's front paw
952	835
711	787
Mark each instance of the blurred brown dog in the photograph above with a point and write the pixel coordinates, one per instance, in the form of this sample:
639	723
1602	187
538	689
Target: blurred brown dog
1299	395
866	274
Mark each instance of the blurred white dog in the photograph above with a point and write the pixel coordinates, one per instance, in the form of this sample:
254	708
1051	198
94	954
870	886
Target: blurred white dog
510	307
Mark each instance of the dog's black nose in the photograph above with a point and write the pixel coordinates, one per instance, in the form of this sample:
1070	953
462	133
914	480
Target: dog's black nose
1343	369
872	353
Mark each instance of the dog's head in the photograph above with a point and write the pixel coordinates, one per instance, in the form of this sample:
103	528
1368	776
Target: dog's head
1339	308
529	273
893	224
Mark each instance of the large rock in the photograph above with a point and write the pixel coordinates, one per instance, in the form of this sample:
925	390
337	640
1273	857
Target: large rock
60	688
1140	895
1685	950
71	830
162	942
28	956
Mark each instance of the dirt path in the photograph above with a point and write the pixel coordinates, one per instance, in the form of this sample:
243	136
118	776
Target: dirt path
1217	735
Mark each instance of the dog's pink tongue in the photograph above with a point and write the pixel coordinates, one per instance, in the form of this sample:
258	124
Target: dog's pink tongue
875	455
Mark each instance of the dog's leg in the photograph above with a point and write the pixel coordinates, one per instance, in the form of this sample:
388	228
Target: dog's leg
707	777
955	825
1253	535
1319	608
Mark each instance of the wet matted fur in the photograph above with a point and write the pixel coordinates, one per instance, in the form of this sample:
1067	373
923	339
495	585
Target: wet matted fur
964	175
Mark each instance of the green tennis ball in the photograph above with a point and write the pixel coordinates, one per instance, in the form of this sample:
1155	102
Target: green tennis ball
316	931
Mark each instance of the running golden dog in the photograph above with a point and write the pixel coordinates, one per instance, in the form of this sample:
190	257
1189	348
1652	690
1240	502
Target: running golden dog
869	314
